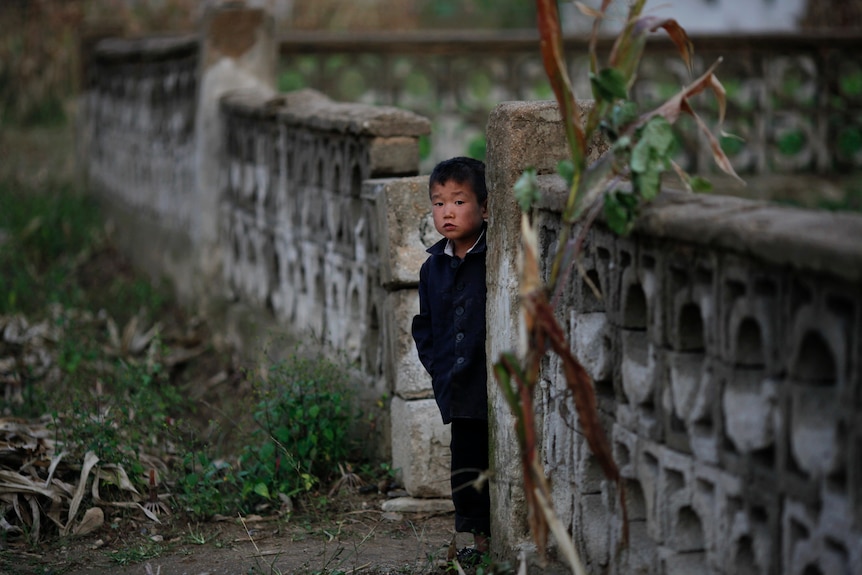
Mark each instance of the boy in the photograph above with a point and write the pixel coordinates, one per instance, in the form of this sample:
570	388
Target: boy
450	335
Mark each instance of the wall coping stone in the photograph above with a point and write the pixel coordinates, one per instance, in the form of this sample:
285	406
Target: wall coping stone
808	240
251	104
310	108
149	49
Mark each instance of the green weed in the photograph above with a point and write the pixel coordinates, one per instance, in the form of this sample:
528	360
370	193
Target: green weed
124	415
303	416
206	487
41	238
136	553
196	536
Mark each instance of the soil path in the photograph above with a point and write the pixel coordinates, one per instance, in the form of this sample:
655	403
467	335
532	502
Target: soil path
367	541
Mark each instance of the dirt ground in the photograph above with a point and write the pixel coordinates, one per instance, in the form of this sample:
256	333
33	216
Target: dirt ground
360	540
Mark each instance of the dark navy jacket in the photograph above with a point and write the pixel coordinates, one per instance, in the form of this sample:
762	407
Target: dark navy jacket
450	330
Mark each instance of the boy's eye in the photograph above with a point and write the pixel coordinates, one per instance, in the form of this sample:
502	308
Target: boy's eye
459	202
437	204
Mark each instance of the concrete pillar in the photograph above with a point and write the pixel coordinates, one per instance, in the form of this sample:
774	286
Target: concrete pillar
520	135
238	52
405	229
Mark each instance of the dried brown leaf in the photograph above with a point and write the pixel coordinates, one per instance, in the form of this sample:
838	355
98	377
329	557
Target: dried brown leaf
677	34
90	460
129	333
93	519
720	95
673	107
113	334
721	159
182	355
55	461
551	44
36	514
589	11
580	384
14	483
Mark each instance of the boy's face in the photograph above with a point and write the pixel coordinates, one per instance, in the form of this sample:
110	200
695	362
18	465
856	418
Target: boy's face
458	216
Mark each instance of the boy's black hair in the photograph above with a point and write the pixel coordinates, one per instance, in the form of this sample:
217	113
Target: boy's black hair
461	170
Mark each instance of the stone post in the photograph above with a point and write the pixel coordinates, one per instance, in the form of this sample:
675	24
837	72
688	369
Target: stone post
520	135
420	441
238	52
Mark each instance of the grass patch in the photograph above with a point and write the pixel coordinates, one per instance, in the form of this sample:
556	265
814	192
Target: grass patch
43	235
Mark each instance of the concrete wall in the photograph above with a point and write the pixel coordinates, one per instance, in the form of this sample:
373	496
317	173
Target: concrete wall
726	352
311	229
139	134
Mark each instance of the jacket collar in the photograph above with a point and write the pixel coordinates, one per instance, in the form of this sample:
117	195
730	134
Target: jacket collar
480	246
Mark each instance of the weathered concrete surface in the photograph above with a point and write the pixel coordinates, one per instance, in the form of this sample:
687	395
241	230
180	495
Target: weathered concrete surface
311	109
519	135
806	240
420	447
415	505
409	380
402	209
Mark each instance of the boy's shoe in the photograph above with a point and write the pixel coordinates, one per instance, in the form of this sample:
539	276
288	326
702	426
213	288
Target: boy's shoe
469	557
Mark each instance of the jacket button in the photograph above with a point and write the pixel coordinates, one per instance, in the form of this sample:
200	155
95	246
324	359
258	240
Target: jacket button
460	286
454	263
459	336
460	360
459	310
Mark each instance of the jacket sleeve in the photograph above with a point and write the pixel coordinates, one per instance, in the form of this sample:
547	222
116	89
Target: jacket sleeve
422	331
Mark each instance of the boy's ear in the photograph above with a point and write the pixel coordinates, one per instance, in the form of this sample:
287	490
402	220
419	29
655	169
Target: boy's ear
485	210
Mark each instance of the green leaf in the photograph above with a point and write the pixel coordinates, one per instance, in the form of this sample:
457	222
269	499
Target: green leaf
282	434
659	134
622	144
623	113
640	156
566	169
609	84
620	211
527	189
792	143
648	183
850	140
651	156
267	451
262	490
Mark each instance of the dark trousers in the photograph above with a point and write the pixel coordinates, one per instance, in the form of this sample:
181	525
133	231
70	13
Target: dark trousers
469	449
